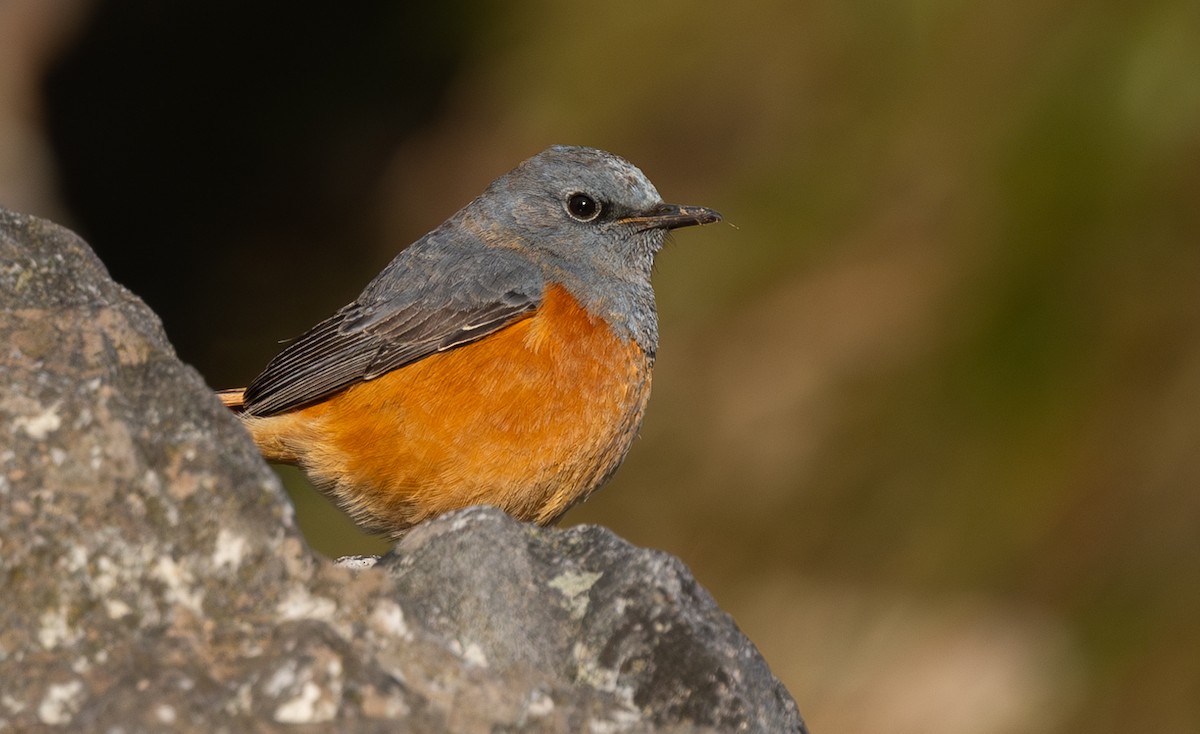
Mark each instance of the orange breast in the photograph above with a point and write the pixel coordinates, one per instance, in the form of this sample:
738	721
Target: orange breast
530	419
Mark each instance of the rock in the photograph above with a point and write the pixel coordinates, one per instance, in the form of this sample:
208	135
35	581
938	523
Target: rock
154	579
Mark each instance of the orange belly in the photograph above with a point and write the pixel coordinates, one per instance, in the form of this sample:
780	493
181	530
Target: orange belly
531	419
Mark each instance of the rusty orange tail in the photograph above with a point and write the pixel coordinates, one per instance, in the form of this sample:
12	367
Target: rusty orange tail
234	399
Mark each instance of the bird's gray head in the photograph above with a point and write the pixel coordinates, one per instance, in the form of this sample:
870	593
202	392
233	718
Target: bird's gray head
594	223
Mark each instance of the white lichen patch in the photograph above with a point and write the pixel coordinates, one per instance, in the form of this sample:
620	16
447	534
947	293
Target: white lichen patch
106	577
621	720
470	652
180	585
76	558
462	521
387	619
310	702
283	678
356	563
310	707
300	604
588	672
41	424
574	586
54	629
230	549
240	702
61	702
115	608
165	713
114	581
540	704
12	704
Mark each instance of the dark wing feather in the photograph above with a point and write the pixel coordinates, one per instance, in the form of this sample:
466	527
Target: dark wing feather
398	320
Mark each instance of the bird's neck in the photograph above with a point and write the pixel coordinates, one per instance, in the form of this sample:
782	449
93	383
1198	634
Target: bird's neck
628	308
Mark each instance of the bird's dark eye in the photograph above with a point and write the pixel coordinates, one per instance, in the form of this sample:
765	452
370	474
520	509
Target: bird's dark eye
583	207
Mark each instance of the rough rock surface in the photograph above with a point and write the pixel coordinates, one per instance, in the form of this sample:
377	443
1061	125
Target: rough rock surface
153	579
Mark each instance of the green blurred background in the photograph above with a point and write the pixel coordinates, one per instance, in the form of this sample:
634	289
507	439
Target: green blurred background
926	417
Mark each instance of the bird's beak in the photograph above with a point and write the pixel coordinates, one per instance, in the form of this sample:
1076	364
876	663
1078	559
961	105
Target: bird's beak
673	216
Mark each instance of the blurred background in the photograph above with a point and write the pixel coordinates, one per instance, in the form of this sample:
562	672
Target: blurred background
926	419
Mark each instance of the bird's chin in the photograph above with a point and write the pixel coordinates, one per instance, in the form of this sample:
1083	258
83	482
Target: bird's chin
649	242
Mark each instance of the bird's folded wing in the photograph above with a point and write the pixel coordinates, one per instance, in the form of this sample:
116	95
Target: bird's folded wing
401	317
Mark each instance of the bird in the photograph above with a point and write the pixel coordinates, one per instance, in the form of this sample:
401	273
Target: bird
504	358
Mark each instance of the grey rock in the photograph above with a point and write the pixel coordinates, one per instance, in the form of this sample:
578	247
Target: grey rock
153	578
